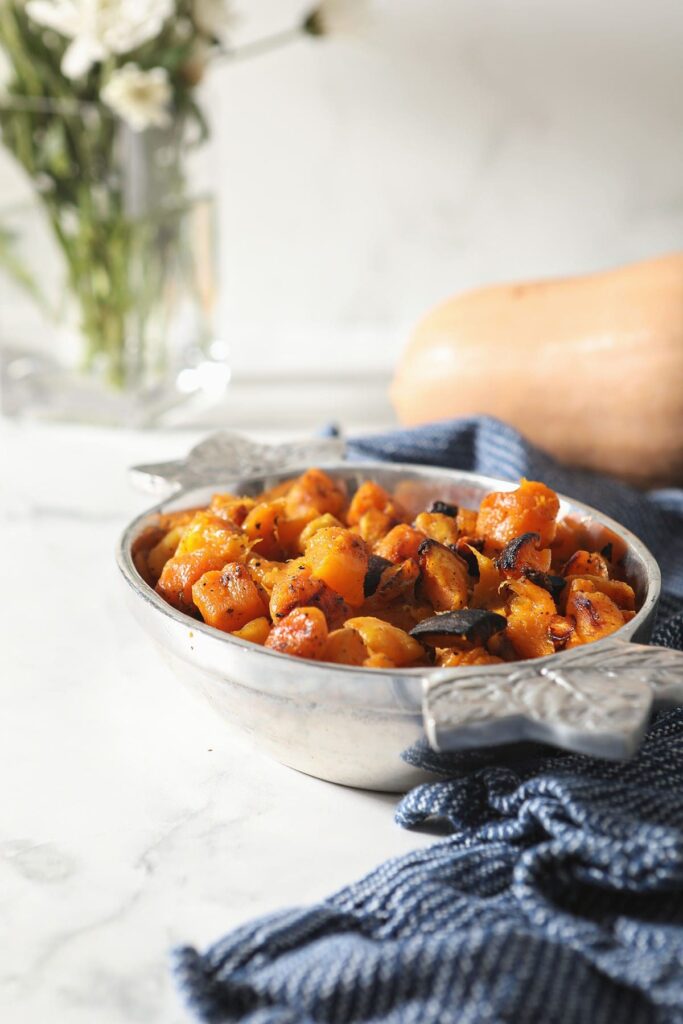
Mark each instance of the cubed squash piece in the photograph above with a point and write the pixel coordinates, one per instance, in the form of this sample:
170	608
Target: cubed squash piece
371	495
531	613
586	563
297	587
622	594
339	558
255	631
261	525
594	613
486	591
466	521
523	554
302	633
181	572
207	532
316	491
443	576
229	598
266	572
288	531
437	526
381	638
232	508
396	583
312	527
401	542
165	549
504	515
345	647
452	658
373	525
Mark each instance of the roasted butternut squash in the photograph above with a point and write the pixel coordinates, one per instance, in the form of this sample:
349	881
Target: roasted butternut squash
304	571
229	598
302	634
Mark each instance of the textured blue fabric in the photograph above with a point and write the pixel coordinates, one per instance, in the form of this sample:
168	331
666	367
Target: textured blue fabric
558	894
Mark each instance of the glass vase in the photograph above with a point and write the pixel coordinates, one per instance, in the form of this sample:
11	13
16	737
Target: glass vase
108	280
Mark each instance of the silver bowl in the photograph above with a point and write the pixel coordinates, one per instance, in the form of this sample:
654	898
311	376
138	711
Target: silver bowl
366	728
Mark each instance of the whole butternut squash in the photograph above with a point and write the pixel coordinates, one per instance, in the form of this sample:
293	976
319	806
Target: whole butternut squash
588	368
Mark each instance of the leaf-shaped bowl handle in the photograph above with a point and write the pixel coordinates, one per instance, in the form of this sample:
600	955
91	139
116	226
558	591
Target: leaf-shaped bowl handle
227	454
595	699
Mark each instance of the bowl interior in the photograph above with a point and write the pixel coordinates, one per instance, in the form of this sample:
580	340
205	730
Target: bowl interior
415	487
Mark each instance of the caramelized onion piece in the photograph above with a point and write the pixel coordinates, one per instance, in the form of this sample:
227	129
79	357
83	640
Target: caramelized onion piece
477	625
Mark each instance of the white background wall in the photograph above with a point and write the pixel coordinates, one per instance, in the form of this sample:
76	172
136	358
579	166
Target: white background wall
455	142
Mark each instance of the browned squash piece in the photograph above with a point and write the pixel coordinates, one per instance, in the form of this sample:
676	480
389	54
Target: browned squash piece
260	526
575	534
229	598
449	658
396	583
530	613
297	588
170	520
371	495
288	531
265	571
373	525
620	593
381	638
140	550
302	633
345	647
522	555
443	576
207	532
438	527
165	549
232	508
378	661
560	631
586	563
339	558
504	515
181	573
318	523
595	614
466	521
255	631
486	591
566	541
401	542
315	491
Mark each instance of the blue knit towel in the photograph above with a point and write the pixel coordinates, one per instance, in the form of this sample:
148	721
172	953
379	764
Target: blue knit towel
557	896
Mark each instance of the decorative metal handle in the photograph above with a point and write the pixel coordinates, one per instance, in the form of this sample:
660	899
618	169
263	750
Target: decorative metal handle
594	699
229	454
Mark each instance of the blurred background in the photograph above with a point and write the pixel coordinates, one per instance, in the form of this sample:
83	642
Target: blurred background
364	176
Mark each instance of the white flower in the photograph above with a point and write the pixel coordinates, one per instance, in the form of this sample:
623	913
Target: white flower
140	98
213	17
99	28
337	17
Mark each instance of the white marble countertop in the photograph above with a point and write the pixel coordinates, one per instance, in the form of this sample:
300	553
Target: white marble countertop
133	819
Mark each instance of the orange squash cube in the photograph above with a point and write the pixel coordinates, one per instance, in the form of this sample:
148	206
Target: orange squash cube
229	598
504	515
339	558
302	633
